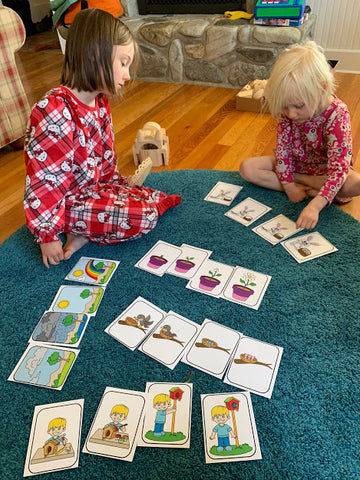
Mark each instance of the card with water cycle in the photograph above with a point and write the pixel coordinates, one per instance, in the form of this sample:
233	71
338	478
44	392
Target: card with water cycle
94	271
229	428
167	417
84	299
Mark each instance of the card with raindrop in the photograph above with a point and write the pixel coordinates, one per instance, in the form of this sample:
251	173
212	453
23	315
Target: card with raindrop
94	271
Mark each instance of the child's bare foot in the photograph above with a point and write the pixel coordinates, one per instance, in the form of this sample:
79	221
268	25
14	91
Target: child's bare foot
73	244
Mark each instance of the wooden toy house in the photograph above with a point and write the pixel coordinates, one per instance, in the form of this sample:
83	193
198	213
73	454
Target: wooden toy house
151	141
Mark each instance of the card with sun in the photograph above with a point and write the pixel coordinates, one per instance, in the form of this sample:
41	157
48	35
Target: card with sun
83	299
94	271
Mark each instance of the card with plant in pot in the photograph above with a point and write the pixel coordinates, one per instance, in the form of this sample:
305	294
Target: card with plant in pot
308	246
246	287
254	366
210	278
167	417
124	410
277	229
158	259
190	260
170	340
247	211
135	323
212	348
229	428
223	193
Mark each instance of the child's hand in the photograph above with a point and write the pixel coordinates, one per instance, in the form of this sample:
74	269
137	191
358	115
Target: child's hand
309	217
52	253
296	192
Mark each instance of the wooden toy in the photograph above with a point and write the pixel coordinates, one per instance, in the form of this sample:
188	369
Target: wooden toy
151	142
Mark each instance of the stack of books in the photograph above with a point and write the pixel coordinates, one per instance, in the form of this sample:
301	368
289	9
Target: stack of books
281	13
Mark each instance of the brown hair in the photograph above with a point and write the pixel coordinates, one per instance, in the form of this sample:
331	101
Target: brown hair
89	50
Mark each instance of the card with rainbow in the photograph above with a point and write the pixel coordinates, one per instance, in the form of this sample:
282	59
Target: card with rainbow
94	271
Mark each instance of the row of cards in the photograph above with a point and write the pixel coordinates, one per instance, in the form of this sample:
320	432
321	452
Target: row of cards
275	230
215	349
236	284
159	417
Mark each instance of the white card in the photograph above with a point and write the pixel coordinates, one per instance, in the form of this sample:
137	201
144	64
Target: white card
135	323
308	246
54	443
83	299
229	428
94	271
44	366
254	366
168	343
246	287
247	211
190	260
167	418
223	193
212	348
116	425
211	278
158	259
277	229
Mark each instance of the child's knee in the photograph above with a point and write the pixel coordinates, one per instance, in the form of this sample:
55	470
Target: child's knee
245	169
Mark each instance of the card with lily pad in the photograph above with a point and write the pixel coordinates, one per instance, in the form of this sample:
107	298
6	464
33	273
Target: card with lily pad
246	287
309	246
212	348
277	229
223	193
190	260
167	417
158	259
229	428
247	211
94	271
254	366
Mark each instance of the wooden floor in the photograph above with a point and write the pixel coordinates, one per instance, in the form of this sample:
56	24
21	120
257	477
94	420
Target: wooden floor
204	128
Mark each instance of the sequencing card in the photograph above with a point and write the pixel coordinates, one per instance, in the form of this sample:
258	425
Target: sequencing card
229	428
223	193
211	278
116	425
94	271
212	348
158	259
254	366
187	264
247	211
75	299
307	247
135	323
277	229
44	366
61	329
246	287
54	443
167	417
169	341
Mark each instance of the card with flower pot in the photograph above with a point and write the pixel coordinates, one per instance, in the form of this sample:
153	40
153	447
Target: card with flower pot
135	323
116	425
246	287
247	211
158	258
211	278
277	229
212	348
223	193
308	247
187	264
170	339
229	428
254	366
167	418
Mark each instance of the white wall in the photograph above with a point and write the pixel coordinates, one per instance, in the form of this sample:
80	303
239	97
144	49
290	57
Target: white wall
337	31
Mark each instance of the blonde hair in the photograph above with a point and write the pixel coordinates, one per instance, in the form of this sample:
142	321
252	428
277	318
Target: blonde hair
56	423
120	409
161	398
88	63
300	76
219	410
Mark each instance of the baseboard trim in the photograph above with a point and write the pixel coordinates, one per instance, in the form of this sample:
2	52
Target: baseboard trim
349	60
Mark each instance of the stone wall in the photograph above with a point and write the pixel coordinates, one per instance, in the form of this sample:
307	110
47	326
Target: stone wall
210	49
